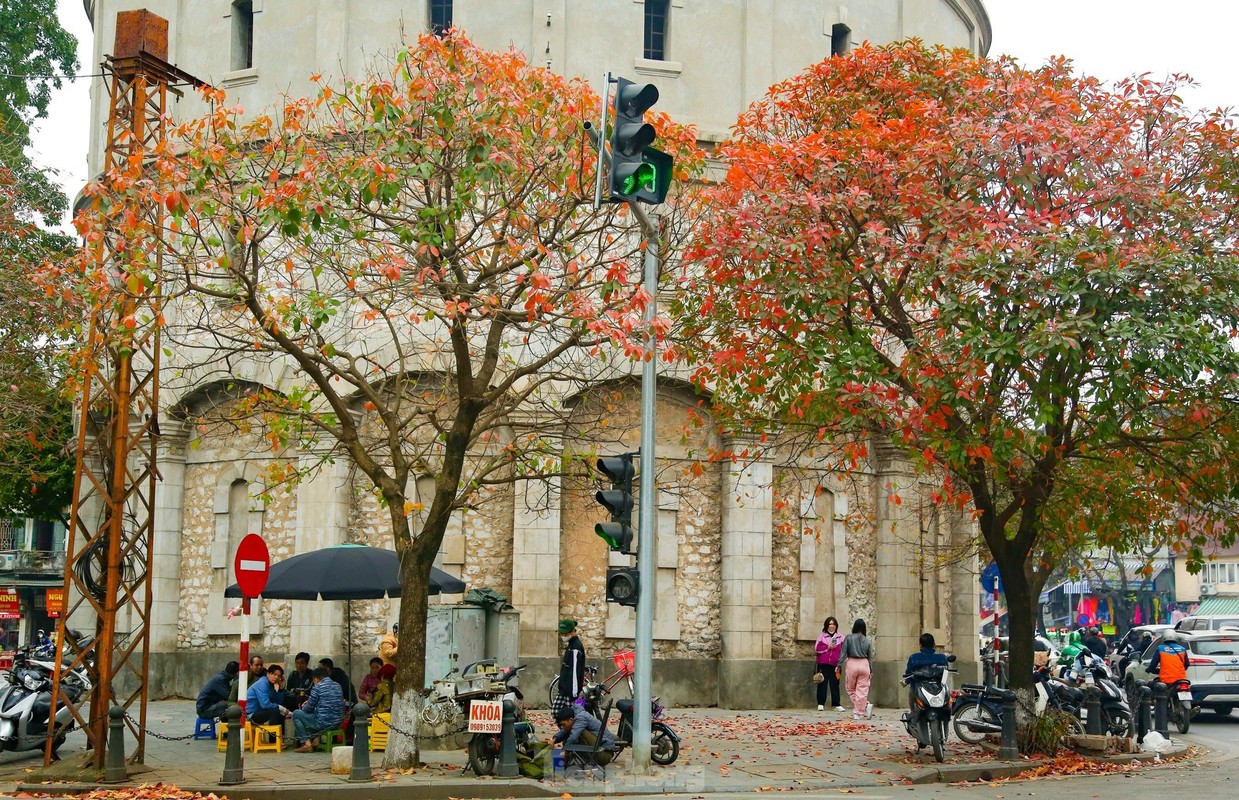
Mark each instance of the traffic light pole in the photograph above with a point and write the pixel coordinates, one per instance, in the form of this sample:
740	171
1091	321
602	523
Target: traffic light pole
647	518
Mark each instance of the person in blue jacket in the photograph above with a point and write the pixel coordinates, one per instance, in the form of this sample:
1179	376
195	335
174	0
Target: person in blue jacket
264	702
927	656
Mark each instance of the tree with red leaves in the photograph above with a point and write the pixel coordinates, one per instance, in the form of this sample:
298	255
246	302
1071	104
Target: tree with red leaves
1023	279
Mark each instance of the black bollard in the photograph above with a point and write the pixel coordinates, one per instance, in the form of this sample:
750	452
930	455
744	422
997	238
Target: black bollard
1092	707
1144	713
234	762
114	763
508	767
361	744
1009	749
1161	721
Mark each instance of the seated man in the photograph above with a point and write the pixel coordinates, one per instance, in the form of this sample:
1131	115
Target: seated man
578	726
370	682
257	670
264	702
341	679
213	699
299	680
927	656
380	701
323	711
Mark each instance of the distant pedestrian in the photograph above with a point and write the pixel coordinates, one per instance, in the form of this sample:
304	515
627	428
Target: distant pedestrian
829	647
856	666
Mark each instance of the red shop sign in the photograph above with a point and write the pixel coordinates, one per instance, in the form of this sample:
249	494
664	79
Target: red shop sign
55	602
10	606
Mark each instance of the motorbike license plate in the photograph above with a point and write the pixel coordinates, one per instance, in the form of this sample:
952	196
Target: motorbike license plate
1185	695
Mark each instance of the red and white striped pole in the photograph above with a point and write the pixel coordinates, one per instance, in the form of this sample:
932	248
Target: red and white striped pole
244	677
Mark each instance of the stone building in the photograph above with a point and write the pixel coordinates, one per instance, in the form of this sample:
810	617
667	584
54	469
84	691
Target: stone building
751	556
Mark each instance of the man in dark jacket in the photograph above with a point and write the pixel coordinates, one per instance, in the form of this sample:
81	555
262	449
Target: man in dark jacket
572	668
1093	641
927	656
213	699
341	679
578	726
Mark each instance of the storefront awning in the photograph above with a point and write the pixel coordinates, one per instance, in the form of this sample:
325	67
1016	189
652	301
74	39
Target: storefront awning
1218	605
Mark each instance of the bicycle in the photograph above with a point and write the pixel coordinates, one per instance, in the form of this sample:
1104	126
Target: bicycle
625	667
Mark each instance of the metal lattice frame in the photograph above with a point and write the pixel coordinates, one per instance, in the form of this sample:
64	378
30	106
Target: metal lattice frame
111	529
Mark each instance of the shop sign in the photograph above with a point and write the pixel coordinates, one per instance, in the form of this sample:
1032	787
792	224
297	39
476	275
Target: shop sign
55	601
10	606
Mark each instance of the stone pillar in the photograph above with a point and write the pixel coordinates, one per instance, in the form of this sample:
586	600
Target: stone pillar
897	623
747	519
167	535
322	520
965	622
535	561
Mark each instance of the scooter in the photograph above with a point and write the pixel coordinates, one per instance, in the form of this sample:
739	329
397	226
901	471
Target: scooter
931	694
484	748
1179	704
664	742
1115	711
25	708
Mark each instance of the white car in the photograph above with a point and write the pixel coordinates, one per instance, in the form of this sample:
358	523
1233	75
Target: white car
1213	669
1207	622
1120	655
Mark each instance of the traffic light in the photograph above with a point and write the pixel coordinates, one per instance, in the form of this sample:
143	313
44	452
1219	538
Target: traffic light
617	500
638	171
622	585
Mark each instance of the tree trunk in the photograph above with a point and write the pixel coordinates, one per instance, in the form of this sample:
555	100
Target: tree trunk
403	752
1021	621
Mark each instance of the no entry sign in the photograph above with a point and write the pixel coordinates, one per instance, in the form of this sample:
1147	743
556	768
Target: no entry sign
252	565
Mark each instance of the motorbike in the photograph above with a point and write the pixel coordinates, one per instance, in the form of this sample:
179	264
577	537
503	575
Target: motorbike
1060	696
483	748
931	694
1115	711
26	706
664	742
977	712
1179	704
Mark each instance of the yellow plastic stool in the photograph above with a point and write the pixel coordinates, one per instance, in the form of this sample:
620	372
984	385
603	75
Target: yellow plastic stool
221	741
379	728
260	734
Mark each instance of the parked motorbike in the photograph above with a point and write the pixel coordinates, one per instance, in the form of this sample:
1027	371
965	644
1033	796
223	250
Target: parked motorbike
664	742
977	712
26	706
1179	709
928	720
483	748
1115	711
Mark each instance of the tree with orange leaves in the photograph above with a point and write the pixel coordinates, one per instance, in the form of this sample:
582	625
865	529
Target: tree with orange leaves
419	251
1023	279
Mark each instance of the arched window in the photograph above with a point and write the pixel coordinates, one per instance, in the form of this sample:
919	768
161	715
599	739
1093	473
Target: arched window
656	13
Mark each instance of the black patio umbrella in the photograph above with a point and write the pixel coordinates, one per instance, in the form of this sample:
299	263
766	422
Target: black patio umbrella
344	572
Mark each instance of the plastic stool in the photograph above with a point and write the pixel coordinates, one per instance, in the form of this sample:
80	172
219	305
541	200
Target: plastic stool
221	741
262	732
330	739
204	729
379	729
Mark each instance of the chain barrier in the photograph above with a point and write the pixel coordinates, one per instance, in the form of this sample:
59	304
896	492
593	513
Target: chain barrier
150	732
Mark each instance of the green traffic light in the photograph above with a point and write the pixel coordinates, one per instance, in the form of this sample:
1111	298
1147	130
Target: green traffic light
611	540
644	177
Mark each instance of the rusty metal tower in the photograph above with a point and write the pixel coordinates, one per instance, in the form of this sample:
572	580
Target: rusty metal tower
108	559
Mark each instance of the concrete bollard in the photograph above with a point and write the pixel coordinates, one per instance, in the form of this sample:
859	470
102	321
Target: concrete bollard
1161	712
1144	713
114	762
234	762
508	767
1009	749
1092	706
361	744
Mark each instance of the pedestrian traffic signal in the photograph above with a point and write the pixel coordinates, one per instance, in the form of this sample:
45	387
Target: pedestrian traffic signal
638	171
617	500
623	585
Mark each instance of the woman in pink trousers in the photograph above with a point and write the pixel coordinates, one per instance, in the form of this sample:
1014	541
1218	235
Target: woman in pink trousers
856	665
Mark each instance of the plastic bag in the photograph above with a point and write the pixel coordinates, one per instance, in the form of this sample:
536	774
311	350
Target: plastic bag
1154	742
818	677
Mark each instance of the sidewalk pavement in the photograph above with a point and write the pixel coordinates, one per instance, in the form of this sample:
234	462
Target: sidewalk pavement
721	751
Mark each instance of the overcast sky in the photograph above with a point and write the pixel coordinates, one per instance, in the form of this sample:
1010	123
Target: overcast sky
1107	38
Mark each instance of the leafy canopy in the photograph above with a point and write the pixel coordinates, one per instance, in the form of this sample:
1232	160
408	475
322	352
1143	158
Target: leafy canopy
1025	279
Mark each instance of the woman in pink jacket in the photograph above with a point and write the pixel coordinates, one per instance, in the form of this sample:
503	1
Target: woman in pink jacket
829	645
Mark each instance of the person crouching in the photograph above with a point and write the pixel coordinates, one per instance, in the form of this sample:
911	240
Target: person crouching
322	711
